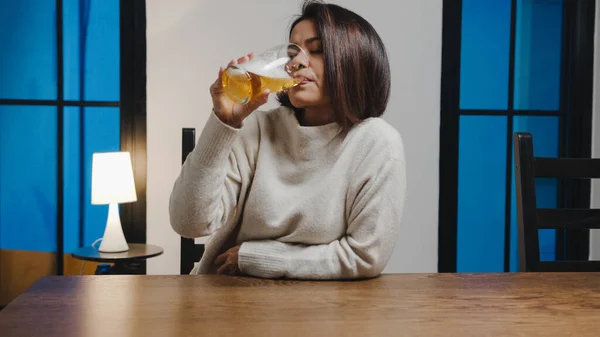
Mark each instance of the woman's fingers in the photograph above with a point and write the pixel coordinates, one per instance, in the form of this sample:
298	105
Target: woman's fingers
227	269
222	269
240	60
243	59
257	102
221	259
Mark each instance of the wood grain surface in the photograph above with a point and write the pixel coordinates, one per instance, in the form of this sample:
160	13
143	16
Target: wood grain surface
510	304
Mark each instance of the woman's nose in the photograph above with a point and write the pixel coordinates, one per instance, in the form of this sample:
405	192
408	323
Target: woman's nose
298	66
300	61
294	66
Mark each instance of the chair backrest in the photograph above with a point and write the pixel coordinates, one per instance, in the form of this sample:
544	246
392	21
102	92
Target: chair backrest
530	219
190	252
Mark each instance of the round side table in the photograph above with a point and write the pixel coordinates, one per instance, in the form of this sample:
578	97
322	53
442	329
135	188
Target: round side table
123	261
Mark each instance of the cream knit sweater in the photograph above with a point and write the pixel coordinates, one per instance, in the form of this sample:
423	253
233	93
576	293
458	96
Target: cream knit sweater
304	202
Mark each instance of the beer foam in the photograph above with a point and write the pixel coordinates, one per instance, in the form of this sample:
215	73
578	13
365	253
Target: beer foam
267	69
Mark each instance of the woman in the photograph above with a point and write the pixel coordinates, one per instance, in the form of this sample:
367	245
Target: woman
314	189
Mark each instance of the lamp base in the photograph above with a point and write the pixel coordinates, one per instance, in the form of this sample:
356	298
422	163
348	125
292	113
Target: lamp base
113	240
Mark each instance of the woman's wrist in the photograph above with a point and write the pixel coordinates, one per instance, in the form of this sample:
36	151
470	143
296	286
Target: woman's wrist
232	122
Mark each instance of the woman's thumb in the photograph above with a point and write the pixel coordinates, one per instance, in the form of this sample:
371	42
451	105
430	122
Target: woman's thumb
259	100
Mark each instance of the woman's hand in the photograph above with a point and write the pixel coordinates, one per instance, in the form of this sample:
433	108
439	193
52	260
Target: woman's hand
229	262
228	111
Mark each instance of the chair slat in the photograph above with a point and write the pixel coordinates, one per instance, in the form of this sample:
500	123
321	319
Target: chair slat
568	218
530	219
569	266
529	250
576	168
190	252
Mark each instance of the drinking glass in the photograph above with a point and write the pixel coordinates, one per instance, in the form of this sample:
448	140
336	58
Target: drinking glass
272	69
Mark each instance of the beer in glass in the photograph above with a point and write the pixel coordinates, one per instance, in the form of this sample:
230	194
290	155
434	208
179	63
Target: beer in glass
271	70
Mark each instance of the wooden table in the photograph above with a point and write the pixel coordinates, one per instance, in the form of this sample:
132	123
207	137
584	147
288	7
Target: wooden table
392	305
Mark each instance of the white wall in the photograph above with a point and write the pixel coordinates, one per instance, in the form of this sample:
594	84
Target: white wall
595	197
189	39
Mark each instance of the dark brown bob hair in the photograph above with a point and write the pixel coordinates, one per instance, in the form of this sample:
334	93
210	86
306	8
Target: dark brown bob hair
357	70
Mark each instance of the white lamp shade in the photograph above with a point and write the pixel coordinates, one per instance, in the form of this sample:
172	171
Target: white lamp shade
112	178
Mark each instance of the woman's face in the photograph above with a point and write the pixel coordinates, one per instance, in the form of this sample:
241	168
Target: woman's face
312	91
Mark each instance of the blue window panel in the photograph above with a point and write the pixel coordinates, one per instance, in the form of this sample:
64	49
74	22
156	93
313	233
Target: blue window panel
91	50
28	184
545	132
101	134
72	215
485	51
538	54
481	193
28	49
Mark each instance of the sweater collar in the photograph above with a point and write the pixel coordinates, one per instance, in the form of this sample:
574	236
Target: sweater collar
326	131
306	142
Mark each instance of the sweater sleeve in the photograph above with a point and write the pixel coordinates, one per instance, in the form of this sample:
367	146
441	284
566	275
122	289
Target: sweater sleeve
364	250
206	192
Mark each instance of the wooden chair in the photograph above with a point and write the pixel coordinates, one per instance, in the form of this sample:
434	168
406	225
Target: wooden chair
190	252
530	218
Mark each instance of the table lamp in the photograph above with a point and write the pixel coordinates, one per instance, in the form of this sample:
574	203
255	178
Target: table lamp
112	183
